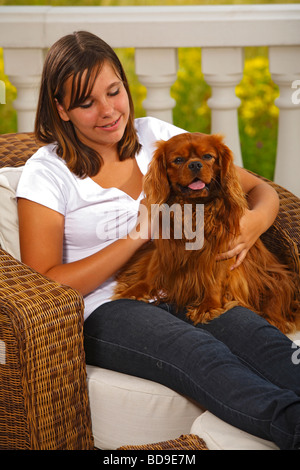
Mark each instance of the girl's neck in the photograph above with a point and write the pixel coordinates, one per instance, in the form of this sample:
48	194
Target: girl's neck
109	154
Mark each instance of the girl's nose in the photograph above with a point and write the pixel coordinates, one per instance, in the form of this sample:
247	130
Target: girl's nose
105	108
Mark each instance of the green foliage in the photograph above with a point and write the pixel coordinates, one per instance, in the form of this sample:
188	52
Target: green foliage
258	117
8	118
191	93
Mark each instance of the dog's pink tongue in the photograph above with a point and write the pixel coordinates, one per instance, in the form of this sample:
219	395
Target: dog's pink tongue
196	185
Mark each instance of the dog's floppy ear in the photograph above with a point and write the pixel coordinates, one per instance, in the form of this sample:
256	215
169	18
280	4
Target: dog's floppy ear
225	159
156	184
231	189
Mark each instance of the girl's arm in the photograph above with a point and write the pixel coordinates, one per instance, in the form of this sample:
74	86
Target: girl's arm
41	243
263	204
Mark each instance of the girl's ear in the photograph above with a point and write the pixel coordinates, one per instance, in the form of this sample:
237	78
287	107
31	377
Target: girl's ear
61	111
156	184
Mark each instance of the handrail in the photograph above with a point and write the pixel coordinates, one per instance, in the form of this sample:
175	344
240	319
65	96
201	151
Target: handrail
155	26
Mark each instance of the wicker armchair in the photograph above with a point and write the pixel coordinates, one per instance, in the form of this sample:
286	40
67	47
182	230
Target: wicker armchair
43	393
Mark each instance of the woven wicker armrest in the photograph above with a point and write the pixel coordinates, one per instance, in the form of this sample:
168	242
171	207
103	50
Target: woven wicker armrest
43	392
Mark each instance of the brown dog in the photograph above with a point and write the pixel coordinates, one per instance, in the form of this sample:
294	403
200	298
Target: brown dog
195	171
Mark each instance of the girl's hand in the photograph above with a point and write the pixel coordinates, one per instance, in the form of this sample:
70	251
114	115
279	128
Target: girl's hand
250	231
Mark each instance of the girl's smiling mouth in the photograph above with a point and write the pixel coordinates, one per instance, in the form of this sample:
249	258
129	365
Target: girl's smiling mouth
112	125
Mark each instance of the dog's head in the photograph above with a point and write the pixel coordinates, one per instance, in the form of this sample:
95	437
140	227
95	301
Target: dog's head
190	167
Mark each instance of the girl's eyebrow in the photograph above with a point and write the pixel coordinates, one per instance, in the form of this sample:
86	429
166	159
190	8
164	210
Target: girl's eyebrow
114	84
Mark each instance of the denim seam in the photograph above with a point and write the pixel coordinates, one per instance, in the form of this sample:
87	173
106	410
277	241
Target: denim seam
248	363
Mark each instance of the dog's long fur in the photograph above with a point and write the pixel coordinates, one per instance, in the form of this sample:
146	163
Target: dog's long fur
195	280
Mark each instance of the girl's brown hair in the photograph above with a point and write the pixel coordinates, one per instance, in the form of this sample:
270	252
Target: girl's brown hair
73	55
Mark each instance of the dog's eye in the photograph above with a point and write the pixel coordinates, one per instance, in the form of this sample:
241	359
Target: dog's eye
207	156
179	160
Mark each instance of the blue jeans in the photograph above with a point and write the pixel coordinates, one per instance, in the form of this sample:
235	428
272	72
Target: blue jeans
238	366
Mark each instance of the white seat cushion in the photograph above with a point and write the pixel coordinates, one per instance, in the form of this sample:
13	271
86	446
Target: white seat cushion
219	435
9	223
129	410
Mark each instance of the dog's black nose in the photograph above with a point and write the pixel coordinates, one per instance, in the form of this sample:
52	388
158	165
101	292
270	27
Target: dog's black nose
195	166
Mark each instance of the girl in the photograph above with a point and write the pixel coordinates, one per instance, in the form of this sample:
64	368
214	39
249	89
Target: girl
79	199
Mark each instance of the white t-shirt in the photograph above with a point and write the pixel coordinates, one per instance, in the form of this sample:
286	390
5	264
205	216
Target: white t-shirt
94	216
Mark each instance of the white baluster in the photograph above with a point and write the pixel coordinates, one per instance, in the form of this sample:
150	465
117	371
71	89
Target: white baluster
157	70
285	71
24	67
223	70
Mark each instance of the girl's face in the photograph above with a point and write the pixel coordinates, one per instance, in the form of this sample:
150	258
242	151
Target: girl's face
99	121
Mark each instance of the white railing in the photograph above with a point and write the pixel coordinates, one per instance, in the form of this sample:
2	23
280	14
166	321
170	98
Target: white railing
156	33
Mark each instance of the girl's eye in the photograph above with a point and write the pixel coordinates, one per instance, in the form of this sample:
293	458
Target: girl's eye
86	105
114	93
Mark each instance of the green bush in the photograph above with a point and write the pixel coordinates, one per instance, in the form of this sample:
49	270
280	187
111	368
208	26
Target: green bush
191	93
8	117
258	117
